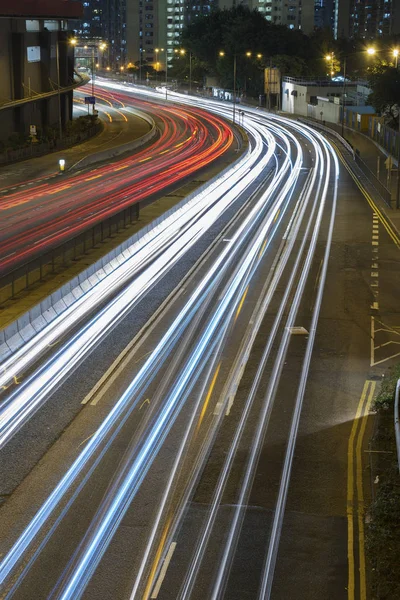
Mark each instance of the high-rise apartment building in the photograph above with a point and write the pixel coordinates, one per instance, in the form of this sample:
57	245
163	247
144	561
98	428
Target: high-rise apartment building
295	14
148	31
366	18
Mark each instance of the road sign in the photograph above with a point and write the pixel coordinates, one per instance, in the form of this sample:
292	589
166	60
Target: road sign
389	162
90	99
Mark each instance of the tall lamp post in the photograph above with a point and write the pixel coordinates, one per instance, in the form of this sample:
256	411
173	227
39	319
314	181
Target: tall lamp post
330	58
344	93
157	50
222	54
396	57
182	51
59	87
166	73
102	46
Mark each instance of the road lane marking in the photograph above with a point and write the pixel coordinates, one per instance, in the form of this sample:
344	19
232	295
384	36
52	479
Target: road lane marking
163	571
144	159
382	218
60	189
94	177
362	410
207	400
157	559
263	247
120	168
241	303
360	491
147	401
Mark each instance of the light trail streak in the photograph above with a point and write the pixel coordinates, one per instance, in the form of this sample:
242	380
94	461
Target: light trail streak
257	230
60	221
174	236
25	540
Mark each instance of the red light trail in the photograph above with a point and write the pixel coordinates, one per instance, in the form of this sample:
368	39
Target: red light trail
48	214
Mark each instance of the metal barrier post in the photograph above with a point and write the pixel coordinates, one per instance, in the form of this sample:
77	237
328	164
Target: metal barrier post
396	422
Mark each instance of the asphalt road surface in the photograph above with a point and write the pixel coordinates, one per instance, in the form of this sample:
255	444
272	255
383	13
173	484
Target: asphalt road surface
221	456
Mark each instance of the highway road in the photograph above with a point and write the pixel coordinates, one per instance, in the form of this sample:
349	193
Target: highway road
194	436
45	214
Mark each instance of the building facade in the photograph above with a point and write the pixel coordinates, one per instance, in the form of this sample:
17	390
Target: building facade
36	64
294	14
366	18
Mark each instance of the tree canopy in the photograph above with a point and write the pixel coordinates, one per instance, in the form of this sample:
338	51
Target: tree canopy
246	33
384	81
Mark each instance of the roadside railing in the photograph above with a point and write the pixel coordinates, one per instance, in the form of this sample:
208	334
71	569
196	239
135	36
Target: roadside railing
397	421
33	150
378	186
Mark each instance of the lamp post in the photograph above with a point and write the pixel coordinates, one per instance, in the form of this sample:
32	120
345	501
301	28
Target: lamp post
343	93
330	58
166	73
396	57
59	87
102	46
157	50
182	51
222	54
140	65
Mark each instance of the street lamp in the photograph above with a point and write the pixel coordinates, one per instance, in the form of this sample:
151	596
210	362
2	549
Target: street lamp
222	54
157	50
140	65
396	56
371	51
102	46
330	58
182	51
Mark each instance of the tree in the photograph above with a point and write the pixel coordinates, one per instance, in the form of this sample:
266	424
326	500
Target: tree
240	31
384	82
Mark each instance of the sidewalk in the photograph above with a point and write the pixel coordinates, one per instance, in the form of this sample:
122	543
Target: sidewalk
116	132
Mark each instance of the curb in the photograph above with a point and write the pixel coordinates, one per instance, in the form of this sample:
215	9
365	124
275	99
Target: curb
115	151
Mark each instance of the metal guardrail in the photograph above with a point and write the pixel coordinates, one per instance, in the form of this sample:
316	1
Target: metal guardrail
63	90
383	192
332	132
397	422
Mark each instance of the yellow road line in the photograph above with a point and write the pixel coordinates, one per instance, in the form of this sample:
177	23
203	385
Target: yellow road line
360	492
277	214
94	177
60	189
207	400
156	560
144	159
120	168
392	233
262	249
362	411
241	303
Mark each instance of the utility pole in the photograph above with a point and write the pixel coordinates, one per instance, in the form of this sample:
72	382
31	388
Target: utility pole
58	85
166	73
234	85
190	72
398	167
343	93
93	77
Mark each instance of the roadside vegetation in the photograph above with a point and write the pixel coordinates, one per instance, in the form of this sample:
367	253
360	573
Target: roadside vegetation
76	127
383	528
